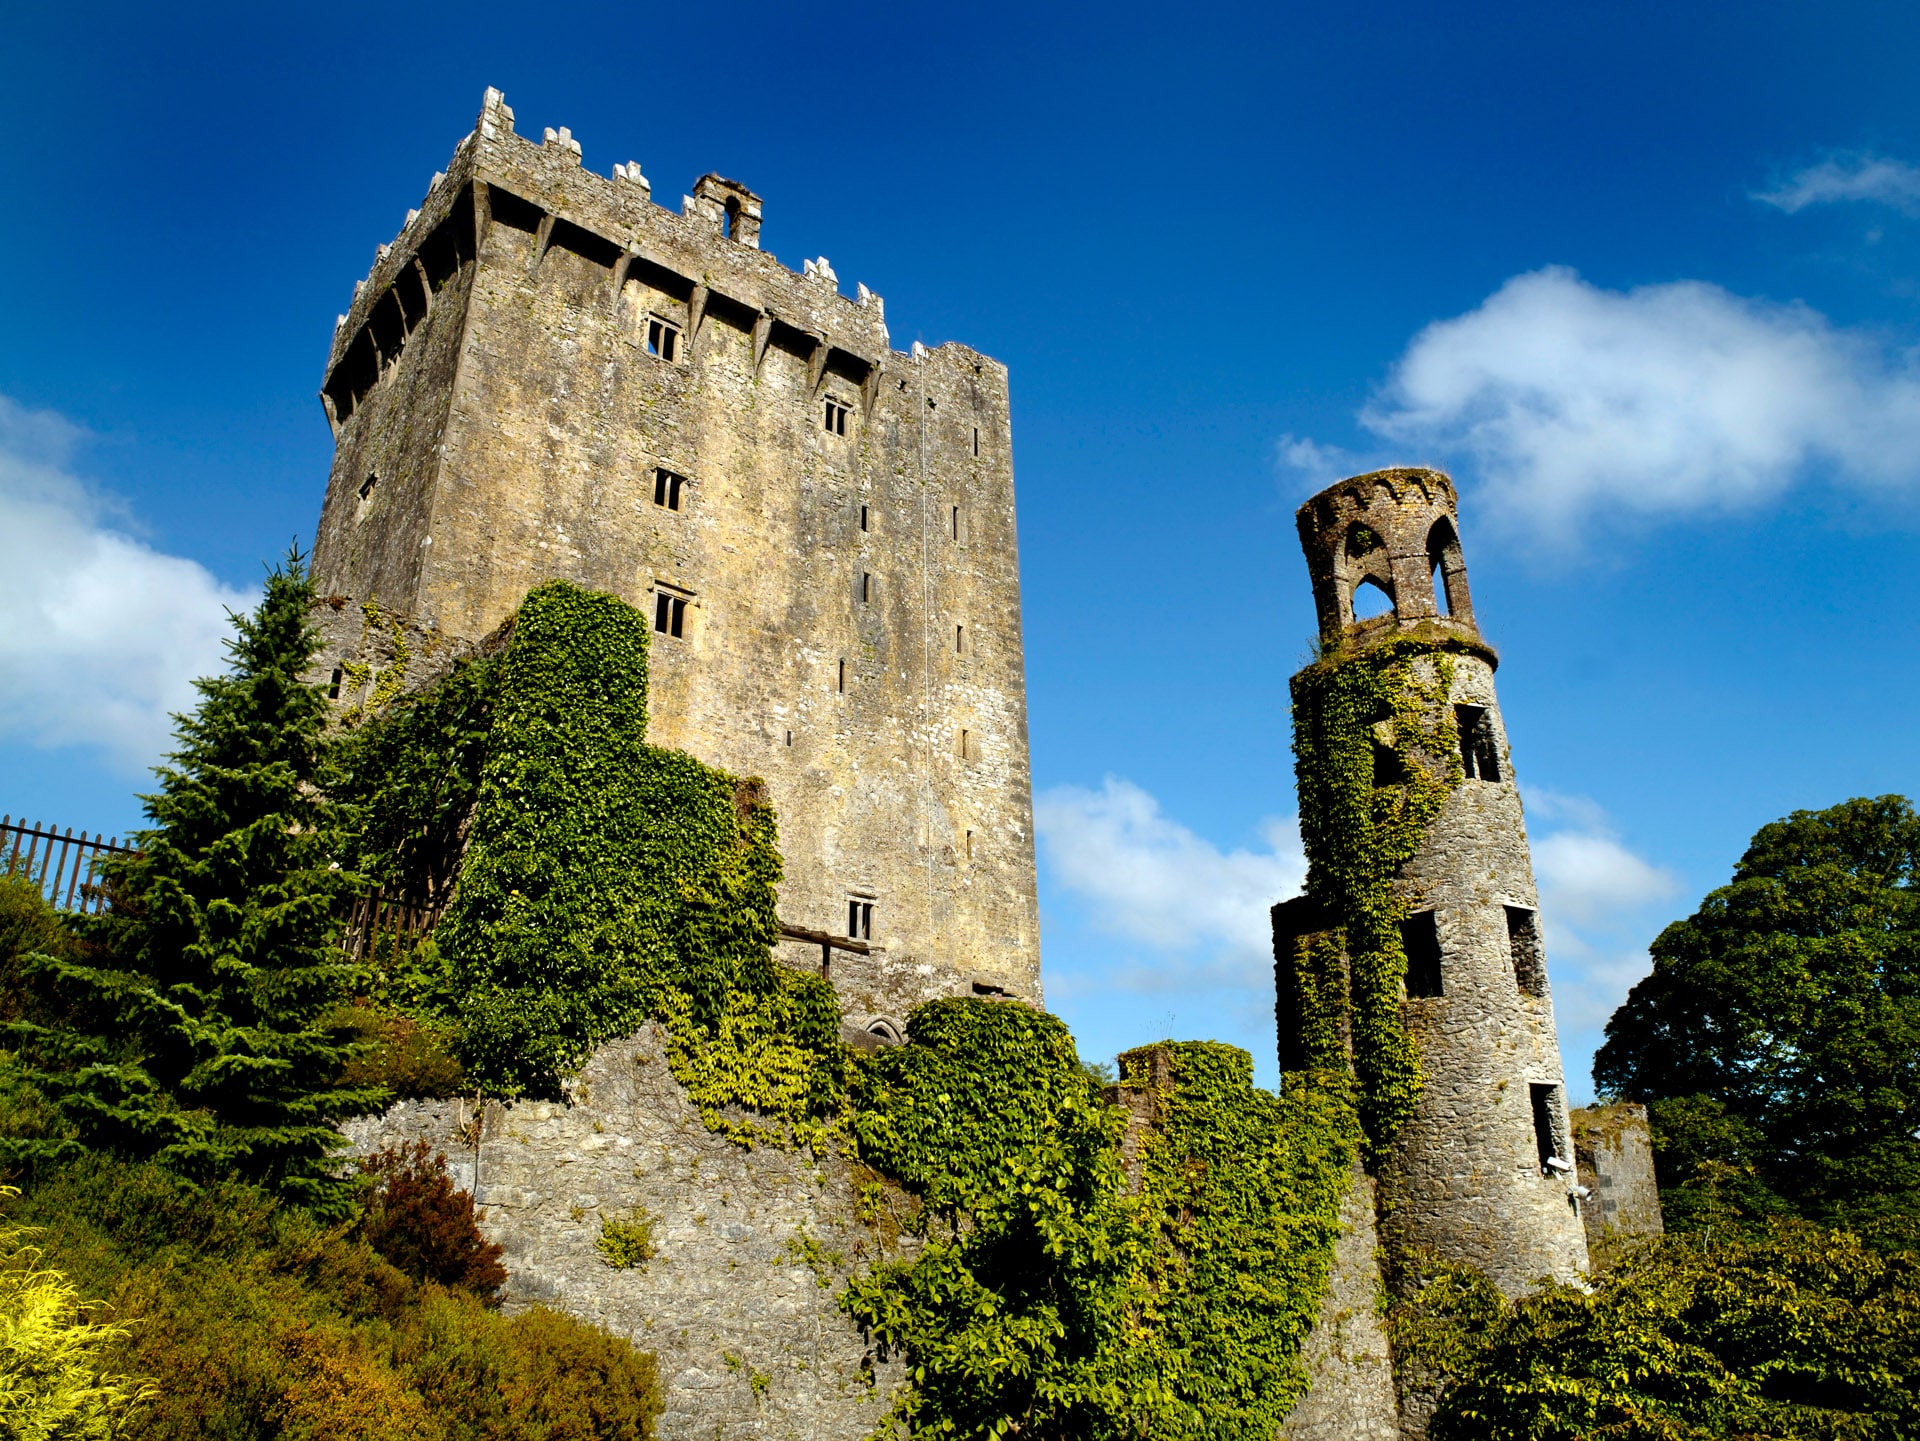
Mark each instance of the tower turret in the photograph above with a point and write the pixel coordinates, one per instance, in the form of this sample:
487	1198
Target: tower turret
1415	955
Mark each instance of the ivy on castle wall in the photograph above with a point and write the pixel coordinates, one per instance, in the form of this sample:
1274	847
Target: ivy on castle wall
602	882
1376	752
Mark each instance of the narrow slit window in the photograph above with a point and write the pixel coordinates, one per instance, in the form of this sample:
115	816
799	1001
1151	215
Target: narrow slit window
866	587
667	489
843	678
834	416
959	640
859	919
976	440
1420	938
956	522
1547	1140
966	743
864	522
669	613
1529	958
367	485
333	686
1479	748
969	845
663	338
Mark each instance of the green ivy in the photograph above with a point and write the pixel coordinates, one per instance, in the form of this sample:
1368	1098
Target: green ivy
1376	752
1057	1296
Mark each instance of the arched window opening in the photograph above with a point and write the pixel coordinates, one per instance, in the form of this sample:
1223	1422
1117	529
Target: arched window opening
1448	568
1362	539
885	1032
1371	600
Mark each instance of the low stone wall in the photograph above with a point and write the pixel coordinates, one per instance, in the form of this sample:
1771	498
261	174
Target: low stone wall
1613	1149
754	1246
1352	1394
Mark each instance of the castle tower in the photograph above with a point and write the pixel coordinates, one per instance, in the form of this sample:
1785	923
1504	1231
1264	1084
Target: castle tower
1405	768
547	375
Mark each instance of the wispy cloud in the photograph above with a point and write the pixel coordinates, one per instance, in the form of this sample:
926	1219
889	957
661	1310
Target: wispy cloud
1567	403
1858	176
1145	878
101	635
1600	903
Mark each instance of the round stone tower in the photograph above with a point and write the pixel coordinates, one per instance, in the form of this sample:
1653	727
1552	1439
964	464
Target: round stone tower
1479	1168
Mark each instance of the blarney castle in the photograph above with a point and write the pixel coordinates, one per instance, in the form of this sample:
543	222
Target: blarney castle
548	374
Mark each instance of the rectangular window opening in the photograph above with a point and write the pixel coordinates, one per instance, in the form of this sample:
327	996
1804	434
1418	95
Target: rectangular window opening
669	613
966	743
959	639
976	440
333	686
1523	942
859	919
863	519
663	338
866	587
789	737
367	485
1420	938
843	677
834	416
1479	749
969	845
1547	1139
666	489
956	522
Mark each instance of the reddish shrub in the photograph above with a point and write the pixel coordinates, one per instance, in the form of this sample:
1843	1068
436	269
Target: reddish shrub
418	1221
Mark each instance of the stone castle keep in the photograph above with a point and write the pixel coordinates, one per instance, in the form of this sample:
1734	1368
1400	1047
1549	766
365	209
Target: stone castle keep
548	375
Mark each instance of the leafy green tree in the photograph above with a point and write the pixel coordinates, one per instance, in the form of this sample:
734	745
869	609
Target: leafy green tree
193	1030
1789	1332
1778	1038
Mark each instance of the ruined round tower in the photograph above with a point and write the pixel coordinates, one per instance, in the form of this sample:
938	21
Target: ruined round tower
1477	1165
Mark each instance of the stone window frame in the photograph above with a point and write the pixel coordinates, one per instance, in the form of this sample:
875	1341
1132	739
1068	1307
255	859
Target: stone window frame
672	489
860	906
671	605
836	416
663	338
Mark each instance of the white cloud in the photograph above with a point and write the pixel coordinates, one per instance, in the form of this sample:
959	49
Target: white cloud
1566	401
101	636
1859	177
1599	904
1148	879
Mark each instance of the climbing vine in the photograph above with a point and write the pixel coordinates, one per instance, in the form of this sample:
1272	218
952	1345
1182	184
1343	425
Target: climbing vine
1074	1276
1376	751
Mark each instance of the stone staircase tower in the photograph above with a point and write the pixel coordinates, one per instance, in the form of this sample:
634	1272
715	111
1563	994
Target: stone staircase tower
1478	1167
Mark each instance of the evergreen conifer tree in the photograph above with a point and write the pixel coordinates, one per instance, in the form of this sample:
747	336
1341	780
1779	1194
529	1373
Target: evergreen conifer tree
193	1031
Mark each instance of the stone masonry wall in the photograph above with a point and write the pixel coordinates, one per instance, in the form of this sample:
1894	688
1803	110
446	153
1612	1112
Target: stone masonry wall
1614	1148
1351	1397
851	600
1465	1177
739	1306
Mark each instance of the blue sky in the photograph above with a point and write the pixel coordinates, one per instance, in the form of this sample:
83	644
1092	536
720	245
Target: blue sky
1644	277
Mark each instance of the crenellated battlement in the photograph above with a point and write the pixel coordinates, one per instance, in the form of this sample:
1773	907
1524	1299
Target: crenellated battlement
709	251
1394	532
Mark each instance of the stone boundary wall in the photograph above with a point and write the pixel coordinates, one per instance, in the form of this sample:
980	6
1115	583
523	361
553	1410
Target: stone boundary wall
739	1306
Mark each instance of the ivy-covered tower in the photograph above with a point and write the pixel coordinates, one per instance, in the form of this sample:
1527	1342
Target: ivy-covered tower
1414	961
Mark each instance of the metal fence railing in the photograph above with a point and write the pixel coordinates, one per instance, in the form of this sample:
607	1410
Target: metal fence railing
59	862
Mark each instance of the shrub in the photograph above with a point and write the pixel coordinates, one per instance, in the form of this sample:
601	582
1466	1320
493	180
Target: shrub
417	1220
626	1241
404	1055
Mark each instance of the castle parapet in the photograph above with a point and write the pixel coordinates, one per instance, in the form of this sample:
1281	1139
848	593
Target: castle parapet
1392	537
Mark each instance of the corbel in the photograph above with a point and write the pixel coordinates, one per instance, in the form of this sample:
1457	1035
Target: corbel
426	286
482	216
542	238
762	333
870	391
817	365
696	312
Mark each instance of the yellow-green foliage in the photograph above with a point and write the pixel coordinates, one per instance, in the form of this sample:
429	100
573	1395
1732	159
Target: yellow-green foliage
1790	1332
258	1322
626	1241
1376	751
54	1380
